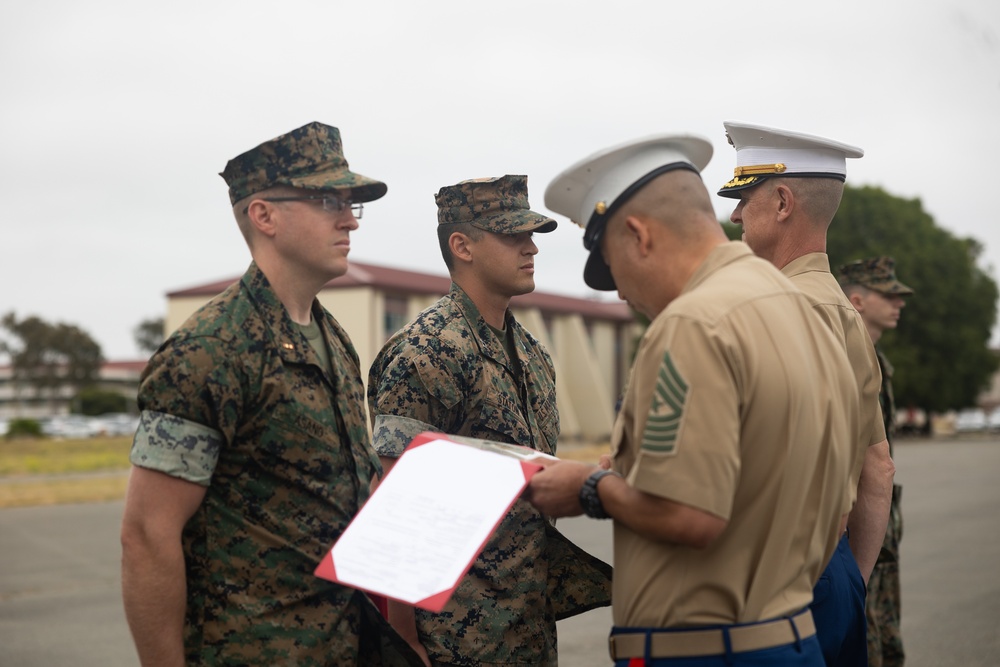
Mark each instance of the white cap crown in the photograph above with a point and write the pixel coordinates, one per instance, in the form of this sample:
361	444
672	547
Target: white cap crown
765	151
591	190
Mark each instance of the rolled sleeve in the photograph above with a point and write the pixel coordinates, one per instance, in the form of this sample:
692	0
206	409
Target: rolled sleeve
176	447
392	433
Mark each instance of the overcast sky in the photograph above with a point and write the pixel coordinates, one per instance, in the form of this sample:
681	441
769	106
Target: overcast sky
116	117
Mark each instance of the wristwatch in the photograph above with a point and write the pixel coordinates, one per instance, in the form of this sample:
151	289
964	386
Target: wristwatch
589	500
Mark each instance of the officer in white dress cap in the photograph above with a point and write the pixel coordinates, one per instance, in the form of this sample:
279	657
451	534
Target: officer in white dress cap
790	185
590	191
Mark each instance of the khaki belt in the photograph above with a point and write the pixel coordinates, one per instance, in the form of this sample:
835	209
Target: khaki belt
693	643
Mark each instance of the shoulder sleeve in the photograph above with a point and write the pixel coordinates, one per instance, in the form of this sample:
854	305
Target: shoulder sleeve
418	379
686	418
190	400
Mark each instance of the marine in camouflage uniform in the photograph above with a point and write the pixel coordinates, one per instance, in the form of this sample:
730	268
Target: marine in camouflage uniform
450	371
240	409
885	640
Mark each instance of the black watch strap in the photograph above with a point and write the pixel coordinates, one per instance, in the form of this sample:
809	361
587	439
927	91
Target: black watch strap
589	500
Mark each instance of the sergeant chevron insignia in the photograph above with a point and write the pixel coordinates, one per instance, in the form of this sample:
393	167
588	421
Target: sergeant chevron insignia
665	410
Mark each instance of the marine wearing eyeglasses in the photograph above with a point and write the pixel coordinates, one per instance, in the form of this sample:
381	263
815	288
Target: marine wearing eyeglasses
329	203
252	452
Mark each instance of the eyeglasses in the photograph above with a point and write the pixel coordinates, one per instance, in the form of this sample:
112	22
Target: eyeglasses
330	203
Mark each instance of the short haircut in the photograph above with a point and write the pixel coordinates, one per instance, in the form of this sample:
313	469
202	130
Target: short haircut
820	196
444	233
856	288
677	198
243	218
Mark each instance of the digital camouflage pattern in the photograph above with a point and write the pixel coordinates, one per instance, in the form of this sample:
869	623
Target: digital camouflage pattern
447	371
310	157
885	638
498	205
236	400
875	273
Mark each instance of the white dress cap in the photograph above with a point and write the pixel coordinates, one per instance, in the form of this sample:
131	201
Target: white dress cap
591	190
765	151
603	176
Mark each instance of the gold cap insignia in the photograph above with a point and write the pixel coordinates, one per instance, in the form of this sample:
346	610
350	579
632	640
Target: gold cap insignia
739	182
759	169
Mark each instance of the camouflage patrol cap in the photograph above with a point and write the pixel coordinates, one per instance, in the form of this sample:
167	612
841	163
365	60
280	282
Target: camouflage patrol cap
875	273
310	157
498	205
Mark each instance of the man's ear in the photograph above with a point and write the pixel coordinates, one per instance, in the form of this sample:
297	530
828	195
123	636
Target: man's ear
785	200
639	235
857	300
461	247
262	217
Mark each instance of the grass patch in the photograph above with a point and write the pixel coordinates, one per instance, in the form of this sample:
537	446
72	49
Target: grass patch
60	457
23	459
62	491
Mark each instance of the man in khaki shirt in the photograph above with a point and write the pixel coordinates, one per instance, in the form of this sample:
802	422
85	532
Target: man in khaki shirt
789	187
735	432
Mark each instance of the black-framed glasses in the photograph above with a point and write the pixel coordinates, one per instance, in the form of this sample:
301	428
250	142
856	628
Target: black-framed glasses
330	203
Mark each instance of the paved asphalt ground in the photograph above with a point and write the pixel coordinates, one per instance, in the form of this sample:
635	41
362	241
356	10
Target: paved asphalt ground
60	593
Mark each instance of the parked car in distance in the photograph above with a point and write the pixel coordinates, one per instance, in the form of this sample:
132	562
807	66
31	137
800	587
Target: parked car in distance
69	426
993	420
971	420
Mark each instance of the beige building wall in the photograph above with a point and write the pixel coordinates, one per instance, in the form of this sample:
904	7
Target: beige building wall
179	309
604	344
420	303
569	421
357	310
587	388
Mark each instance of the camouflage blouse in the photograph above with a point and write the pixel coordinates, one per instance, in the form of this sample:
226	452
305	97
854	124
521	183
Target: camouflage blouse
236	400
447	371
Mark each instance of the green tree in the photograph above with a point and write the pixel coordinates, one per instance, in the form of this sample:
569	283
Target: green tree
734	232
48	357
24	428
940	349
148	334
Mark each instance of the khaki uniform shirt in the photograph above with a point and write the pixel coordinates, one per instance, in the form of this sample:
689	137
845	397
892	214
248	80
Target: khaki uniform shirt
742	404
236	400
811	274
446	371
